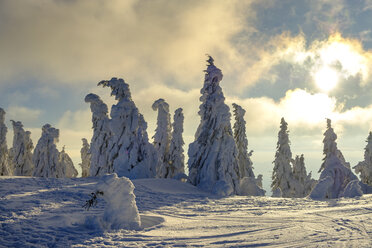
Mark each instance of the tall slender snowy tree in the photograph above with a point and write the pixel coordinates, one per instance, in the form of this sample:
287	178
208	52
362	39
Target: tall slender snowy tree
282	172
99	146
5	169
176	157
65	162
365	167
162	137
303	183
240	136
46	155
130	152
336	178
85	158
22	150
213	156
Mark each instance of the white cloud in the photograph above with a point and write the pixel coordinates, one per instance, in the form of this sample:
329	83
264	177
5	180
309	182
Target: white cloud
23	114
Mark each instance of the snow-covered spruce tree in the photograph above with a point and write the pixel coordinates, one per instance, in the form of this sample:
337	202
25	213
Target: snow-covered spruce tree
85	158
5	169
213	156
282	173
65	162
46	155
176	158
162	137
249	185
365	167
130	153
335	176
303	183
22	150
99	146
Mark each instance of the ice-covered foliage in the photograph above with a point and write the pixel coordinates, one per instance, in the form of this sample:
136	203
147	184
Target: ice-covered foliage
176	156
245	162
303	183
130	152
85	158
65	162
48	161
213	156
364	168
121	210
21	150
162	137
352	189
250	186
5	169
335	176
282	176
99	163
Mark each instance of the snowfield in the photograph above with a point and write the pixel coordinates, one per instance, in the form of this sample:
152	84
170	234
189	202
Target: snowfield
47	212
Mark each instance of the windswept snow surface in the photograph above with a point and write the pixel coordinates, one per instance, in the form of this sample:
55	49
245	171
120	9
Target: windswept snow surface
47	212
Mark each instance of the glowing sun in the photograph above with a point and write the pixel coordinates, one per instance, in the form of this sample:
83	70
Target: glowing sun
326	78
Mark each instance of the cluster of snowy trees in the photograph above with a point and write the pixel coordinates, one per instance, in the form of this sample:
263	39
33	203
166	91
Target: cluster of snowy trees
120	142
289	177
23	160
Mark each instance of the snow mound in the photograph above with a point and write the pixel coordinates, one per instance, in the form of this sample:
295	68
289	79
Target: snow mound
352	189
121	211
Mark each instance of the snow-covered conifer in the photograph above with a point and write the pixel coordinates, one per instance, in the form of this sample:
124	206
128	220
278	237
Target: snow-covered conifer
282	172
365	167
85	158
46	155
213	156
5	169
176	157
99	163
303	183
22	150
162	137
130	152
335	175
65	162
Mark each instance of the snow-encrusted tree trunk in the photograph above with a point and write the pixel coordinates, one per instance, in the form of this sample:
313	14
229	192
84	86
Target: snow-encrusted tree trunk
46	155
99	146
22	150
130	152
176	156
282	172
162	137
365	167
5	169
85	158
213	156
335	175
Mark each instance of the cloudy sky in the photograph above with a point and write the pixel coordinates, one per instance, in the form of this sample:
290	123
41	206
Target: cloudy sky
301	60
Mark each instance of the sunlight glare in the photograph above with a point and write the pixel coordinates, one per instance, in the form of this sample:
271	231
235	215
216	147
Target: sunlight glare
326	78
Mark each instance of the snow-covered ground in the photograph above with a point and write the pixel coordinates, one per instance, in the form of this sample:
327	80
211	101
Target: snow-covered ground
46	212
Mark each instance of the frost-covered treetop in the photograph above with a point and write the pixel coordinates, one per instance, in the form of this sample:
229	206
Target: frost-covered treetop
119	88
212	73
50	133
17	125
160	104
97	106
2	115
330	145
238	110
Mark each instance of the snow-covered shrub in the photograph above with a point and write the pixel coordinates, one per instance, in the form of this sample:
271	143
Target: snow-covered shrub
176	156
48	161
85	158
21	150
130	152
249	186
99	163
120	211
365	167
213	156
162	137
335	176
282	176
66	163
352	189
5	169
